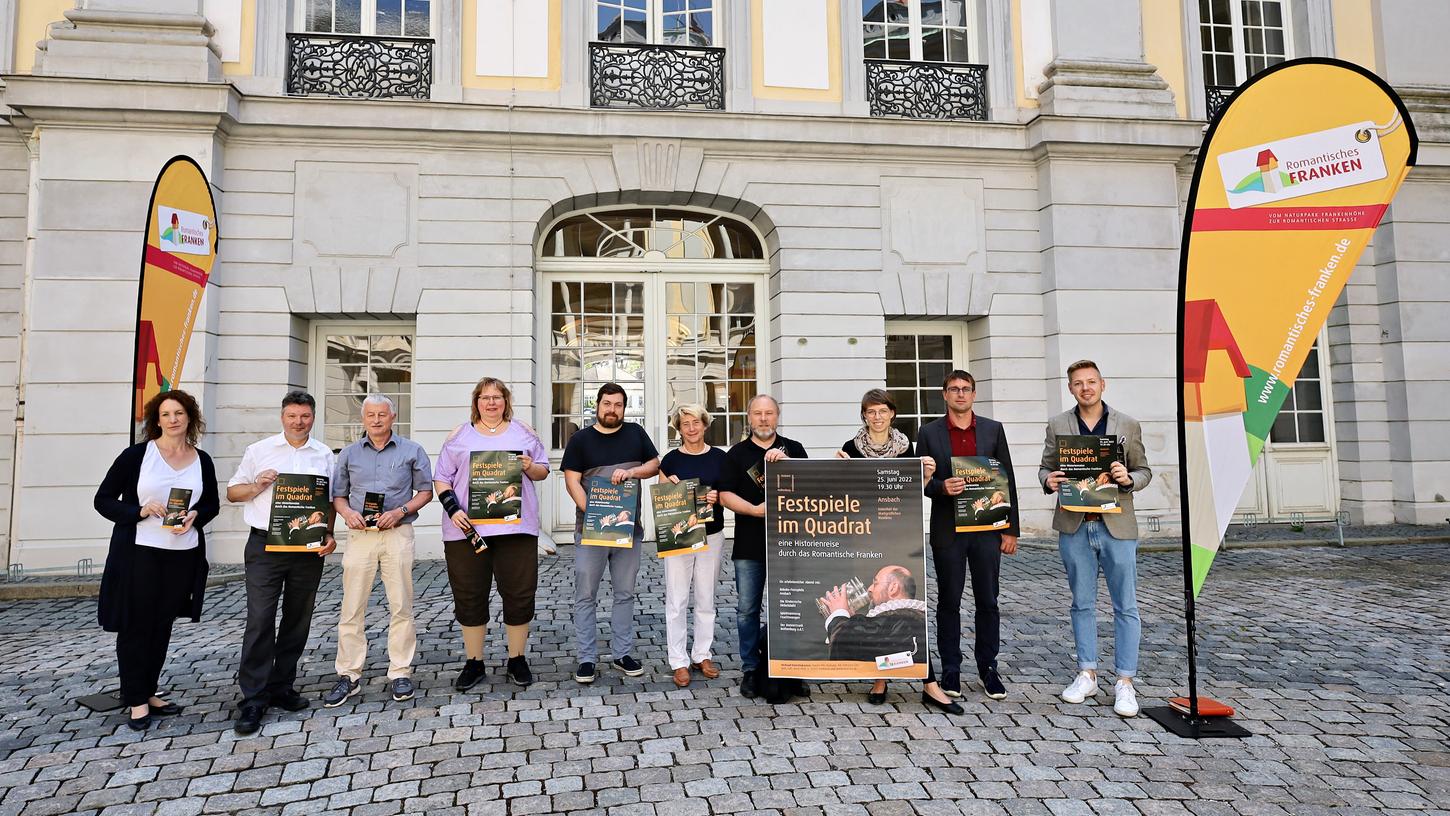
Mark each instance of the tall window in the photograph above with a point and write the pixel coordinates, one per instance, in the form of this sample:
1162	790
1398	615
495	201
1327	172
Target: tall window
666	302
666	22
710	351
598	337
357	360
919	30
918	357
1241	38
379	18
1302	417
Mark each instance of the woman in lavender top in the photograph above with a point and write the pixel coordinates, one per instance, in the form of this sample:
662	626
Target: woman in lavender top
512	555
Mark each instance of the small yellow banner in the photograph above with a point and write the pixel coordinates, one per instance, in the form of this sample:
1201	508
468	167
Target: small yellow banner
176	261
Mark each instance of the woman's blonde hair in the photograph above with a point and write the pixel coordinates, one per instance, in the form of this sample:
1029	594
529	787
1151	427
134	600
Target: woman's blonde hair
508	398
690	409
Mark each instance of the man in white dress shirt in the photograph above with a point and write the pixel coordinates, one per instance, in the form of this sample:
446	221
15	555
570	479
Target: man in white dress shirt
270	651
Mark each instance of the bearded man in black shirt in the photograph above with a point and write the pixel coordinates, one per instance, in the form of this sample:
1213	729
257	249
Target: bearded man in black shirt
742	490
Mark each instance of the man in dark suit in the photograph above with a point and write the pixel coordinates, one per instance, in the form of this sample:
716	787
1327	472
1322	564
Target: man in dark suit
963	433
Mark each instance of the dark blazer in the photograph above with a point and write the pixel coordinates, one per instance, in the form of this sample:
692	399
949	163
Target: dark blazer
935	441
116	499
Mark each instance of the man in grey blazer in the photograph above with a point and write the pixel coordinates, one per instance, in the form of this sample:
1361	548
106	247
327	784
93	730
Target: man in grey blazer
964	433
1089	542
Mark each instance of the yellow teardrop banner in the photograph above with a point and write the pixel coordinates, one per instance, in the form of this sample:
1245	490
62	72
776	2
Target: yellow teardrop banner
176	261
1292	181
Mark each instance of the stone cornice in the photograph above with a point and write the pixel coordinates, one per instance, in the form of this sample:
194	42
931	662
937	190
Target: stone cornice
79	102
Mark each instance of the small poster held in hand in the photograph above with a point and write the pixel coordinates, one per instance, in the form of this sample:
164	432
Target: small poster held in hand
678	528
495	487
299	517
1086	460
178	504
372	508
985	504
610	512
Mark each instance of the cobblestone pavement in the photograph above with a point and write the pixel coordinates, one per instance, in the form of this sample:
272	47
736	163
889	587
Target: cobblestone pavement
1337	660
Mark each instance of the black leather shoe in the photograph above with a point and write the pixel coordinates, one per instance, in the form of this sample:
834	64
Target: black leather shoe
167	710
140	723
249	720
748	689
949	708
876	697
290	700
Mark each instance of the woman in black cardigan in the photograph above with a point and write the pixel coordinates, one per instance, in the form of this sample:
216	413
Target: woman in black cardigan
156	567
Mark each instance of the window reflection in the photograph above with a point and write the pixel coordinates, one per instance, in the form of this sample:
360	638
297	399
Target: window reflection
654	232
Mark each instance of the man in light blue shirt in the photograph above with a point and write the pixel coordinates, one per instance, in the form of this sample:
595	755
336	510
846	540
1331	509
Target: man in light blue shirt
379	484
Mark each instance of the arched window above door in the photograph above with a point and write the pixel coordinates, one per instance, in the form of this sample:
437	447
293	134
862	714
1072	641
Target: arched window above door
652	233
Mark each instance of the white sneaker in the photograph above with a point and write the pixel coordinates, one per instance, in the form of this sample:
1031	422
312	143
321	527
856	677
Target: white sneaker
1125	699
1083	687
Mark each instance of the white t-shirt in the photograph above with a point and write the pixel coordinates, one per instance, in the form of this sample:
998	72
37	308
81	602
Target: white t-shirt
155	484
276	453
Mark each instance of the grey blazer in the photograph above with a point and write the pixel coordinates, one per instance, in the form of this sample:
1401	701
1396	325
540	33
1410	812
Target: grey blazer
1122	525
935	441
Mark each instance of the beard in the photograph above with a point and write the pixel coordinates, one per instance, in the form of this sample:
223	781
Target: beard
764	435
611	420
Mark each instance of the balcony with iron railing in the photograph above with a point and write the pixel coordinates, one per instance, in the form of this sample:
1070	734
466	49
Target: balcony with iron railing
359	67
1216	98
656	77
926	90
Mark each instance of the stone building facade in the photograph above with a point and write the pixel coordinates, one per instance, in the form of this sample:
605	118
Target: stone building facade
703	199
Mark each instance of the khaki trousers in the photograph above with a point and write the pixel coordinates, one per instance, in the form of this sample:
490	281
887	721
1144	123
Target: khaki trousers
391	552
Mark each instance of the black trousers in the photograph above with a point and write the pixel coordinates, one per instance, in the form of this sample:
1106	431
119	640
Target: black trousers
270	651
160	585
981	555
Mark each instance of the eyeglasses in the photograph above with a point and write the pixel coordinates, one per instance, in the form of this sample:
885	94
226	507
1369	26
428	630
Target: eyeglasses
878	412
960	389
491	398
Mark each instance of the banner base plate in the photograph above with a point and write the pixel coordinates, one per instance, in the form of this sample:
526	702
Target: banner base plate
103	702
1201	728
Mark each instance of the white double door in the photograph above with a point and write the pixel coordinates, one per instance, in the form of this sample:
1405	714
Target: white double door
668	337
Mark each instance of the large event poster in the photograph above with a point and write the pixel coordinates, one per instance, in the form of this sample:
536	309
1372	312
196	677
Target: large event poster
1293	178
176	260
845	567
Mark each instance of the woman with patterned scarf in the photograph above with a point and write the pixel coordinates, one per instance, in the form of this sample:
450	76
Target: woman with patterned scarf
877	439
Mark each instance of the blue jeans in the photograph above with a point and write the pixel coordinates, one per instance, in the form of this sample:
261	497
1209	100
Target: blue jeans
1083	553
749	591
589	564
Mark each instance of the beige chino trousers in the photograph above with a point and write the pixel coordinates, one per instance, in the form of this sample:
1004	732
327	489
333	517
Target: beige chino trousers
368	553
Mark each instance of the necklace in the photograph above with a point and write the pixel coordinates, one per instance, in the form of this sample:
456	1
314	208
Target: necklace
495	428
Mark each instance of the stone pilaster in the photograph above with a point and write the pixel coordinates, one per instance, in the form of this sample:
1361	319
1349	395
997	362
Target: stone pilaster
1097	67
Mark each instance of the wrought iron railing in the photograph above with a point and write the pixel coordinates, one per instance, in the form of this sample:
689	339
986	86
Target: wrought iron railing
926	90
656	77
359	67
1217	97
